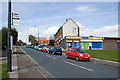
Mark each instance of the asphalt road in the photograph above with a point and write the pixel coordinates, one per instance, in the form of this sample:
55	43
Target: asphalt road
61	67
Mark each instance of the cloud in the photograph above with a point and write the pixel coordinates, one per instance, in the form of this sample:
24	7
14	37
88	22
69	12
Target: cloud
43	32
86	9
105	31
80	25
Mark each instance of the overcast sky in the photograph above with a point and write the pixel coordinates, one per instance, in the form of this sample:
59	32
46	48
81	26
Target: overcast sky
94	18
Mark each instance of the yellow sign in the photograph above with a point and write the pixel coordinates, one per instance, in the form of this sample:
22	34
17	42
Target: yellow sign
73	37
90	37
99	37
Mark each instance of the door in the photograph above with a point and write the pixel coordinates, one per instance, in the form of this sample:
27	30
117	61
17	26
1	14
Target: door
60	44
73	55
69	52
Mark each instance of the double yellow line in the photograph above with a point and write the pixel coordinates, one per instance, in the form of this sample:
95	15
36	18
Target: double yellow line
41	69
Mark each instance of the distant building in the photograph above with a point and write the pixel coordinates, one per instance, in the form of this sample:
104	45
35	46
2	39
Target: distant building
44	42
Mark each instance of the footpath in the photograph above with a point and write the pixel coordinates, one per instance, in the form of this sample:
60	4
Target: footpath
23	67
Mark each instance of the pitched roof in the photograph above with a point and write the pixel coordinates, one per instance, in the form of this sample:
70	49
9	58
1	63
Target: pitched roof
64	23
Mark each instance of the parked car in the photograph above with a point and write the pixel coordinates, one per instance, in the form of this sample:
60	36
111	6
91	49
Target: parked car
46	48
55	50
35	47
28	46
32	46
39	48
77	53
42	48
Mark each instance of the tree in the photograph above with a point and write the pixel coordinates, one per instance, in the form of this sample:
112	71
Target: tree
4	37
14	33
52	40
20	41
0	39
4	31
31	39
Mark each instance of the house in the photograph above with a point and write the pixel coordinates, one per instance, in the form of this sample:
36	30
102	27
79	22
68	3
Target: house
69	28
68	35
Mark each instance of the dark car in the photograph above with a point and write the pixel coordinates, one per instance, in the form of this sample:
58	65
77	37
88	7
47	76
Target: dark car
28	46
55	50
32	46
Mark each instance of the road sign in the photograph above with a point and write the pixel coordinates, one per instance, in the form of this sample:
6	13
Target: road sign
15	19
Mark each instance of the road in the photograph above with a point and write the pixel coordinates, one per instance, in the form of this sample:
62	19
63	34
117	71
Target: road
60	67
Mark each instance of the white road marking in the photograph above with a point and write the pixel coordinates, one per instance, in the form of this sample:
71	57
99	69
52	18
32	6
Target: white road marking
78	66
51	57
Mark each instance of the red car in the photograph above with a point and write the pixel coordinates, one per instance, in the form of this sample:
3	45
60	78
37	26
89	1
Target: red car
45	49
42	49
77	54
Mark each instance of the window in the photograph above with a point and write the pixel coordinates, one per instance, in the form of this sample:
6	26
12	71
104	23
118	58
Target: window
73	50
75	29
45	41
41	41
69	49
80	50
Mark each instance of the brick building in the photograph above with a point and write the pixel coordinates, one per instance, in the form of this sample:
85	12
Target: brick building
111	43
68	35
44	42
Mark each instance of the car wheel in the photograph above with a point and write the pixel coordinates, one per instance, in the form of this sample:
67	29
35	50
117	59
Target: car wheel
53	53
66	56
77	58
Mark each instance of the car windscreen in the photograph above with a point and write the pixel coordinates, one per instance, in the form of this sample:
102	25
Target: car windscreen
80	50
40	46
57	48
47	47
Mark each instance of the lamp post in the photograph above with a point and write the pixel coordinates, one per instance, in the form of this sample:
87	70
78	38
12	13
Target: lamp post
38	33
9	34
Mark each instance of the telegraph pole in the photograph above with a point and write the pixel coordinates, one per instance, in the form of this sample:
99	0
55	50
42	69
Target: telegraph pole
9	34
38	35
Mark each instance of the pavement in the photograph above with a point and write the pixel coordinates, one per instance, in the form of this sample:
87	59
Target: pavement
3	60
22	67
29	63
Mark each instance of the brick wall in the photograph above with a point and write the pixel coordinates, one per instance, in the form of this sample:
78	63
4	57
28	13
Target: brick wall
109	44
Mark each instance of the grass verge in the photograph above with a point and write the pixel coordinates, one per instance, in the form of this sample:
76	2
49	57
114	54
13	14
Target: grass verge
4	70
103	54
14	47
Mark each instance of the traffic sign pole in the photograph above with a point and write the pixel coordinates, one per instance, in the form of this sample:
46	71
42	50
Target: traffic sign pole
9	34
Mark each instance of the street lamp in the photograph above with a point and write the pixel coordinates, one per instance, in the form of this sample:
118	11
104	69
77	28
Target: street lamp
38	33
